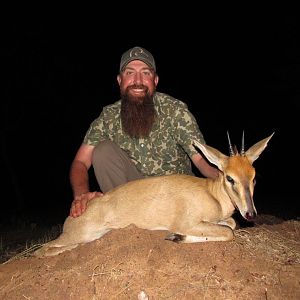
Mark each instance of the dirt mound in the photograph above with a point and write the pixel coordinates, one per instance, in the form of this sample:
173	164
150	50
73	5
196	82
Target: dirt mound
262	262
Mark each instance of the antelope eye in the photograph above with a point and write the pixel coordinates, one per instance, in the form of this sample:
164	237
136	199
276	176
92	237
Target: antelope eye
229	179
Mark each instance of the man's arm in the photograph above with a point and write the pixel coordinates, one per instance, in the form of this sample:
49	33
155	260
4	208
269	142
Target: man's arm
204	167
79	179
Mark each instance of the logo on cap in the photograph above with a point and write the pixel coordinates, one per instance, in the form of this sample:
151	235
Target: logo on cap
137	53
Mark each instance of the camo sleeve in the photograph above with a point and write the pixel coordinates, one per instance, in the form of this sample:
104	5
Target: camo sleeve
187	130
106	126
96	131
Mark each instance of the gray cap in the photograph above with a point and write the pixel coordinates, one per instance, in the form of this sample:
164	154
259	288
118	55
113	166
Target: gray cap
137	53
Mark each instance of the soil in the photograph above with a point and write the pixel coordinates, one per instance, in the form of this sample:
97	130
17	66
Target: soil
262	262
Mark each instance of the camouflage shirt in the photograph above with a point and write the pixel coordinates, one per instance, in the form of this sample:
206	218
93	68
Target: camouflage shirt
169	146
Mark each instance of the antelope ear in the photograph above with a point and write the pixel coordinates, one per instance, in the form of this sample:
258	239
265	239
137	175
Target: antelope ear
253	152
213	155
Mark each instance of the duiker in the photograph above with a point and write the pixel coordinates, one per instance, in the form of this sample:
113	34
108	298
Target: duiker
192	209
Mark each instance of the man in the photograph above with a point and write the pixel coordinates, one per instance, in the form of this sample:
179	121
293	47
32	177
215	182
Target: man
146	133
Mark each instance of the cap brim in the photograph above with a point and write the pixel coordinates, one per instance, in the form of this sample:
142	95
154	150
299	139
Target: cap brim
134	58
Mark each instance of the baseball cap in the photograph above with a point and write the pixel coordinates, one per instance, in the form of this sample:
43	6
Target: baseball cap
137	53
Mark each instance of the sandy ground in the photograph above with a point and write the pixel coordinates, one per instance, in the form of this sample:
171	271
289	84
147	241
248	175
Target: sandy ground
262	262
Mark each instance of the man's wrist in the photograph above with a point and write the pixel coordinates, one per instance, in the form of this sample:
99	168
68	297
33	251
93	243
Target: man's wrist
78	196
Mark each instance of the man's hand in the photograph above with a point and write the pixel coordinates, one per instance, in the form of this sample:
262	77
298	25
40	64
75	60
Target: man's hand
79	203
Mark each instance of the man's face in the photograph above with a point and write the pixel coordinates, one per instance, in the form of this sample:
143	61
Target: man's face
137	80
137	86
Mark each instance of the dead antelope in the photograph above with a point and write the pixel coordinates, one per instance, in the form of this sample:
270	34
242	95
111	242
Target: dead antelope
192	209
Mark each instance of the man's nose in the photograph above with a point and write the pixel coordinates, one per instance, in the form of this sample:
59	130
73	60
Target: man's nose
137	78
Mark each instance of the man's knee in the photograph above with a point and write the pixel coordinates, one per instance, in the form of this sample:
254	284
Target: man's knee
113	166
104	151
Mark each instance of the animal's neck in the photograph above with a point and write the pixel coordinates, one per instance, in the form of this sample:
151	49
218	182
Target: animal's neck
216	188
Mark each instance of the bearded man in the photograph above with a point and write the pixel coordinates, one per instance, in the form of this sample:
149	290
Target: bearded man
146	133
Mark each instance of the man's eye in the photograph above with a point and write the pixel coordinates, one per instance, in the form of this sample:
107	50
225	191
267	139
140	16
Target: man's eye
147	73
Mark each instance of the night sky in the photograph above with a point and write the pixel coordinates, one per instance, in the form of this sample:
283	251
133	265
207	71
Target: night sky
235	74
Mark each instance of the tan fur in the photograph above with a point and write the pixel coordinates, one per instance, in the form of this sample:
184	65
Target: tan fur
193	209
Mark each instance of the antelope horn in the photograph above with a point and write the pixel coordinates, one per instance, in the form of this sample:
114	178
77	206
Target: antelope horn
230	146
243	145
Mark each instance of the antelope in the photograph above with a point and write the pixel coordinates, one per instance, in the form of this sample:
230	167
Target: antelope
190	208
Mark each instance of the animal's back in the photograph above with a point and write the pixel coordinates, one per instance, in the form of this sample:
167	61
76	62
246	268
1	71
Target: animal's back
152	189
174	181
150	202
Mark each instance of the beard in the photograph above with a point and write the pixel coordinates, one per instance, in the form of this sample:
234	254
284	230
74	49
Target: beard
137	113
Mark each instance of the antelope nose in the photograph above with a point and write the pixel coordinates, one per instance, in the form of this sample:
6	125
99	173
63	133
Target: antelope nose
250	216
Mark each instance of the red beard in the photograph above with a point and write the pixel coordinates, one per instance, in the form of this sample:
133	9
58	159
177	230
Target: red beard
137	113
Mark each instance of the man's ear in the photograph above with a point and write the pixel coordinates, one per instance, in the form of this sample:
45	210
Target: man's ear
119	79
156	79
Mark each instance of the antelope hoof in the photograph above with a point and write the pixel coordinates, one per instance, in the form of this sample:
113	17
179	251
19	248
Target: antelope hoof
175	237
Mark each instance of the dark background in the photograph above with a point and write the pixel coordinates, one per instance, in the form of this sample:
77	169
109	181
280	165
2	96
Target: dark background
235	73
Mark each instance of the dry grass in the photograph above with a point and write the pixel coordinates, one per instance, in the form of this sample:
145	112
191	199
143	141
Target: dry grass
21	242
278	247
